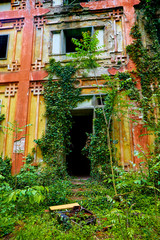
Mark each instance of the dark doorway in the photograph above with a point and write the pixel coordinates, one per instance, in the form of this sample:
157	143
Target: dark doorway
77	163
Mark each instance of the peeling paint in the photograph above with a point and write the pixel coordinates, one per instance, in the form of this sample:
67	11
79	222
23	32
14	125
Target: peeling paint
19	146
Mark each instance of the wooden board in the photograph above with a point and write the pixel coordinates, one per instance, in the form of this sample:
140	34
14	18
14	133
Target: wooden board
66	206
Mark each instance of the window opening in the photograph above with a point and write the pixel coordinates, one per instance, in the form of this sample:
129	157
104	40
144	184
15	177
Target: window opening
62	40
5	5
3	46
73	33
100	100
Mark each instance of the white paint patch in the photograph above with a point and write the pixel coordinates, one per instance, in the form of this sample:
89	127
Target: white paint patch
57	2
19	146
85	104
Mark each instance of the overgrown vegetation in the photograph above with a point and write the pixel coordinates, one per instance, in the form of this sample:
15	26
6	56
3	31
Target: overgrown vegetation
60	97
26	194
147	61
127	209
132	214
116	105
2	116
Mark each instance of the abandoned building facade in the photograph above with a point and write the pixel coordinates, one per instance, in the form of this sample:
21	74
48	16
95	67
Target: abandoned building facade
32	32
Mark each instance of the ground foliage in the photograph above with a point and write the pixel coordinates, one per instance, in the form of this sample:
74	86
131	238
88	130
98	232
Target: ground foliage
132	214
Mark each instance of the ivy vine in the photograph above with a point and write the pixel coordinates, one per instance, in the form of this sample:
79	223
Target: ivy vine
2	116
147	61
99	150
60	97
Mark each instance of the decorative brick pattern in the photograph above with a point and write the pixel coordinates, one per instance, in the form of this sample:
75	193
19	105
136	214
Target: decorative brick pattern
39	21
13	23
18	4
19	24
11	90
37	88
119	58
15	66
38	4
116	14
37	65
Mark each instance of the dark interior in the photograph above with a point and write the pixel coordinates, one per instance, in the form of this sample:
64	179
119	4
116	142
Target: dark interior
3	46
3	1
77	163
73	33
70	46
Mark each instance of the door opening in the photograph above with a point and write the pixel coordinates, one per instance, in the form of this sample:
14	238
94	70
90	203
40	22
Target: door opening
77	163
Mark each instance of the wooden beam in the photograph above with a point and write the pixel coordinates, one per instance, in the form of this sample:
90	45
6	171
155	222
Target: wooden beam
66	206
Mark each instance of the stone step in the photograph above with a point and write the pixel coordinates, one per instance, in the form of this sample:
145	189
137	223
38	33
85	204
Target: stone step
79	181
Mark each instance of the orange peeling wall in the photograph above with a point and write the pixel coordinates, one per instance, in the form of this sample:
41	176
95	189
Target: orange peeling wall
29	25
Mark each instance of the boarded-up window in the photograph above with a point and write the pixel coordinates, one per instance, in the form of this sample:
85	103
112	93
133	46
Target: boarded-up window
3	46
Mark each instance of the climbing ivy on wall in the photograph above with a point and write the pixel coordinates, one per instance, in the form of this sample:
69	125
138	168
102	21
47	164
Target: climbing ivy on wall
147	61
2	116
100	149
150	17
60	97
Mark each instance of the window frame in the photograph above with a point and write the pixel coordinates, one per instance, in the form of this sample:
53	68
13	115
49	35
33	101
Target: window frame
63	40
91	28
4	58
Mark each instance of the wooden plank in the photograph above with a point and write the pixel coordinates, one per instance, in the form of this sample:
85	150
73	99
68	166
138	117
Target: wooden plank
66	206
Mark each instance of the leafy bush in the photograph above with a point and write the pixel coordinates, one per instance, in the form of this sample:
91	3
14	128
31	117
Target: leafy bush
27	177
97	150
6	225
28	195
5	169
57	193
